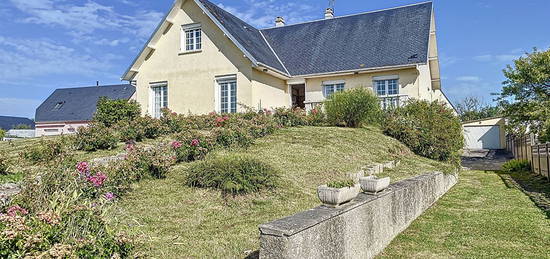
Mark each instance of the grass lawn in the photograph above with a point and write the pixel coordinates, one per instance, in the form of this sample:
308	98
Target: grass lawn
174	221
481	217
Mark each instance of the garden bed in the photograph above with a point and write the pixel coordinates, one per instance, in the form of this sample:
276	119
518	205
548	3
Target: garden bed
171	219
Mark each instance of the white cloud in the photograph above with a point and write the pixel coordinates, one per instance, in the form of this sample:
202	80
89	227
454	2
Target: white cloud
503	58
468	78
262	13
23	60
484	58
19	107
85	19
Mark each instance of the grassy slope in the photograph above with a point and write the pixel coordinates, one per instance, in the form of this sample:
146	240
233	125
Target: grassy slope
173	220
480	217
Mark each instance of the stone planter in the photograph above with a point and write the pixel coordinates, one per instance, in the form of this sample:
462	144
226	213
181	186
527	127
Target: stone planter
334	197
373	184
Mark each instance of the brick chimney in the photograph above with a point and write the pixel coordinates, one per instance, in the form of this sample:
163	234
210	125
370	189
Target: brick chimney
279	21
329	13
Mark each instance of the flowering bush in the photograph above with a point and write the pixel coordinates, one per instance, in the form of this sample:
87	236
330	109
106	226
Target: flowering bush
316	117
95	137
194	146
290	117
109	112
129	131
232	137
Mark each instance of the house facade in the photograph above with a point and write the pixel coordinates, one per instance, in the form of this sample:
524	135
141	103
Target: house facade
203	59
68	109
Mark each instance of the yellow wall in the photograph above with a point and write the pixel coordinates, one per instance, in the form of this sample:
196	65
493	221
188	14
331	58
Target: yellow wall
191	76
268	91
501	122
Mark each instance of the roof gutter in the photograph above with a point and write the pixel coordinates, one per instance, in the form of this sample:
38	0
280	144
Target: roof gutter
364	70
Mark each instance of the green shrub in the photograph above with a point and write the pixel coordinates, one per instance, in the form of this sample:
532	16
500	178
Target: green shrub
316	116
193	145
232	174
4	163
109	112
22	126
429	129
353	108
128	131
517	165
232	137
152	128
95	137
290	117
341	184
47	150
2	134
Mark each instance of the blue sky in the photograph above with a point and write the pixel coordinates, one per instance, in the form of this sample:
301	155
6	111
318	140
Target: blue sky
49	44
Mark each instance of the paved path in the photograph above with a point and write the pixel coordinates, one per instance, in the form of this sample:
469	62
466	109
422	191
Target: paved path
485	160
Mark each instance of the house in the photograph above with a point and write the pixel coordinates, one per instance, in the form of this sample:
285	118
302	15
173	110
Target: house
489	133
202	58
9	122
70	108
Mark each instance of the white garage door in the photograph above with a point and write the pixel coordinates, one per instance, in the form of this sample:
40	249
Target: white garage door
482	137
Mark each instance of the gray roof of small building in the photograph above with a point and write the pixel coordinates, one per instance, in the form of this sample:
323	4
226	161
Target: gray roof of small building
9	122
391	37
79	104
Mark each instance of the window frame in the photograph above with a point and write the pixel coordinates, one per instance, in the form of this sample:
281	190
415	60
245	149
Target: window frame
231	100
386	84
335	86
195	41
163	86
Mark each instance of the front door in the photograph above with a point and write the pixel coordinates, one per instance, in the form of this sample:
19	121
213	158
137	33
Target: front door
298	96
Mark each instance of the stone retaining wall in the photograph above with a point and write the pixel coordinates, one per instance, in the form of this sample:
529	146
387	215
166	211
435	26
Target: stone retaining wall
361	228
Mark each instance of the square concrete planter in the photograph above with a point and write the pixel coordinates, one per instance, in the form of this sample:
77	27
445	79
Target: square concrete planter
373	184
334	197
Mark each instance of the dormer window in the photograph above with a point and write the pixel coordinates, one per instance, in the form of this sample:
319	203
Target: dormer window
191	38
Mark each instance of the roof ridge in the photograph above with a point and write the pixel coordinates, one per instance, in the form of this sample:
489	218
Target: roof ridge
350	15
275	53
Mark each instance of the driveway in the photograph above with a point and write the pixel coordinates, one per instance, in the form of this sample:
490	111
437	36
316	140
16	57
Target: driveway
484	159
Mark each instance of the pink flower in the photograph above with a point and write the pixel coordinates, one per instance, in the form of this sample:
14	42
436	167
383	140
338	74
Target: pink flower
176	144
130	147
219	119
212	113
98	179
225	118
174	114
83	167
195	142
314	111
109	196
13	210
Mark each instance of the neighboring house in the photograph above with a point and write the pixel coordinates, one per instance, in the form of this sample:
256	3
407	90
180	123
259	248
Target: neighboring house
9	122
70	108
489	133
203	59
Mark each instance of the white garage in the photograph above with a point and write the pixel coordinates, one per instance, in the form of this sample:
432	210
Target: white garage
485	134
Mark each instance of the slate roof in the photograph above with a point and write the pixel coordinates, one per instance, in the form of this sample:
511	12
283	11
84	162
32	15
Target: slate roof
391	37
79	104
8	122
377	39
248	36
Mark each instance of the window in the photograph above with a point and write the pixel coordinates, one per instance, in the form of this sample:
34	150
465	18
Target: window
58	105
387	87
330	88
228	94
192	40
160	98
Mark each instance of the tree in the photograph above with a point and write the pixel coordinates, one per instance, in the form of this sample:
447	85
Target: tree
472	108
525	95
22	126
110	112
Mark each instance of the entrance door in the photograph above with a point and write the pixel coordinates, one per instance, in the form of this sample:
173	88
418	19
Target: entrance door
298	96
